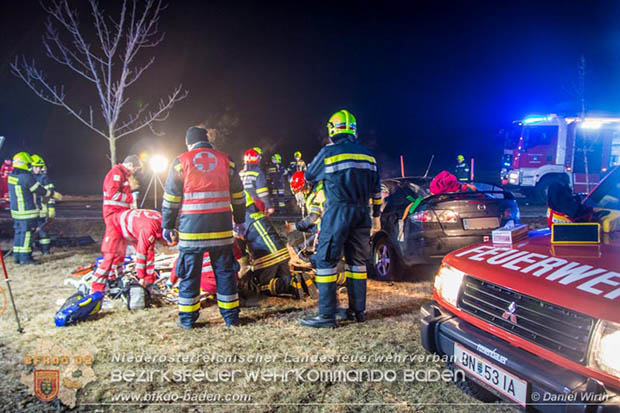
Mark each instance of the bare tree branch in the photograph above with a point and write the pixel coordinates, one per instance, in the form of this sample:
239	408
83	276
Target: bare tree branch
106	60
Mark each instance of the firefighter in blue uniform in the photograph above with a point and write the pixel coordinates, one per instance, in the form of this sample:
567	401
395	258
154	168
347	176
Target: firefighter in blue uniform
275	173
269	266
462	169
201	186
47	207
22	190
255	182
351	181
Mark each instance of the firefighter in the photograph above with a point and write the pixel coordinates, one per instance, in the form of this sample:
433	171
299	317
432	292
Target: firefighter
22	190
314	200
462	169
270	270
297	164
46	206
201	185
351	179
254	181
118	185
275	173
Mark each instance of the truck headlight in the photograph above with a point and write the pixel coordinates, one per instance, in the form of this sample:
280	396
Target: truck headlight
604	354
448	283
513	177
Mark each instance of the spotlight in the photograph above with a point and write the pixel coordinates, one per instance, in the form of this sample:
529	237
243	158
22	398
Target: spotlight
158	163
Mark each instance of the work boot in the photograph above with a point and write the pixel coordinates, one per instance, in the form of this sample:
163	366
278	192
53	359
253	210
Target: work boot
184	326
319	321
359	316
346	314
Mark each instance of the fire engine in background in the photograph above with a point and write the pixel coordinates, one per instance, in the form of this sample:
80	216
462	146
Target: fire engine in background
542	149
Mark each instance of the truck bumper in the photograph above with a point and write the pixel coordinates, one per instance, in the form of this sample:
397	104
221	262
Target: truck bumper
440	330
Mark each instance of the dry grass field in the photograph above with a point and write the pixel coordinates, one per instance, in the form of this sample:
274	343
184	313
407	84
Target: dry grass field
270	327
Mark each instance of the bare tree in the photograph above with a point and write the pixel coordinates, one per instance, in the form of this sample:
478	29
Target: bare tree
110	65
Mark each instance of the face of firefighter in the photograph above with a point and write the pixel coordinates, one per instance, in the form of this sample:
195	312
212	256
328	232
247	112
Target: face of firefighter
36	170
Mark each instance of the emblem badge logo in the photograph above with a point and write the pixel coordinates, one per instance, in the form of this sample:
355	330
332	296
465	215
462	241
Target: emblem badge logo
205	161
46	384
509	314
481	207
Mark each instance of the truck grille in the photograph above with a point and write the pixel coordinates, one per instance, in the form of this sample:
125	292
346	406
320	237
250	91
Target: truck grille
550	326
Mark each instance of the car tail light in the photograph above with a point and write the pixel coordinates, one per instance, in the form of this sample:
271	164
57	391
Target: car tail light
447	216
441	215
424	216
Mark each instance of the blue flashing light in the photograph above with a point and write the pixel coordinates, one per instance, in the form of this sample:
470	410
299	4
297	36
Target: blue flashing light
535	119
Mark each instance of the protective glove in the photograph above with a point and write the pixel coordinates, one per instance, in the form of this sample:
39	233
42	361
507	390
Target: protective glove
169	235
134	185
239	230
376	226
57	196
51	212
289	227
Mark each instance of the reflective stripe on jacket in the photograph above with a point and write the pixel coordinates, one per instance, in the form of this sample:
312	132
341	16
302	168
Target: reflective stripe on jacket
202	185
23	187
349	173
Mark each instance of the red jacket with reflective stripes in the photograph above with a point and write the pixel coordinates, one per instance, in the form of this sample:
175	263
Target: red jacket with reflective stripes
200	188
143	228
117	195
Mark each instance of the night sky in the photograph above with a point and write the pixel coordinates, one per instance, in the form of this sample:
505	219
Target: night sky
424	79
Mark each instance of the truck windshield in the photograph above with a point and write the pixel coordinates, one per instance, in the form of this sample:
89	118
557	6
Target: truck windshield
539	135
513	134
607	194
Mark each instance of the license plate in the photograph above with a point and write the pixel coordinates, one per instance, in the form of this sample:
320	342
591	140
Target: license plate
499	379
481	223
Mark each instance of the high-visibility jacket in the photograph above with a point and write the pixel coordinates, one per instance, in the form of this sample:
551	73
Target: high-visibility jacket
296	166
275	173
22	190
255	183
349	173
200	188
315	203
143	228
461	171
117	195
265	245
45	207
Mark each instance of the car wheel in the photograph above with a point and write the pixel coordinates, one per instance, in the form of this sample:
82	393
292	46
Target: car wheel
384	260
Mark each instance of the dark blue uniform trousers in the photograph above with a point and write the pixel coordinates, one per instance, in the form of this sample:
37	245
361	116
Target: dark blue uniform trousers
345	229
22	242
225	267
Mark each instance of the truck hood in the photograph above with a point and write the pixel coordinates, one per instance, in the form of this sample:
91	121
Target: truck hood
580	277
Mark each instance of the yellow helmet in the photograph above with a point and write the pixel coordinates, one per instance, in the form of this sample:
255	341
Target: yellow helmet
342	121
297	155
36	160
258	149
460	158
22	160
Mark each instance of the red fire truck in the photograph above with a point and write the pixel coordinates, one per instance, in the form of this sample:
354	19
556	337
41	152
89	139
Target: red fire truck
542	149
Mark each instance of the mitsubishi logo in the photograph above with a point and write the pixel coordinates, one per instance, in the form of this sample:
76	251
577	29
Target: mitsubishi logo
482	207
510	313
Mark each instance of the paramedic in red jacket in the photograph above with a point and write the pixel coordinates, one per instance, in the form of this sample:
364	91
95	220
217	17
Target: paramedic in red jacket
142	227
117	197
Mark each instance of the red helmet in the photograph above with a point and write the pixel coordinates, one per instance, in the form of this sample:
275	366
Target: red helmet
298	181
251	156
